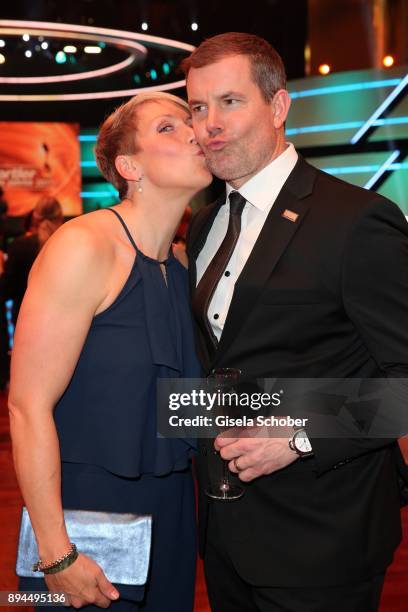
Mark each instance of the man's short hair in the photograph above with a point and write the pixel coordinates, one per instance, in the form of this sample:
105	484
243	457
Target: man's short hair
267	69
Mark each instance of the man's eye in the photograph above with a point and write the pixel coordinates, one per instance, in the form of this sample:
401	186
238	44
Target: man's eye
230	101
199	108
165	128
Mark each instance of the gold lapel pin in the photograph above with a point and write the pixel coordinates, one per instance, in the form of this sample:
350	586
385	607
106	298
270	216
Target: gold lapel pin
290	215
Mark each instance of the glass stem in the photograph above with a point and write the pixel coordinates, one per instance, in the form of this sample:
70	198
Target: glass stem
225	475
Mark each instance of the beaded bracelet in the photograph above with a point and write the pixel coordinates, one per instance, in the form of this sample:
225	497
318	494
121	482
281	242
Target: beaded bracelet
59	564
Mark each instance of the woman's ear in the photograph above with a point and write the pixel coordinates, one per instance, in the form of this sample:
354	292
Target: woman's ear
128	168
280	107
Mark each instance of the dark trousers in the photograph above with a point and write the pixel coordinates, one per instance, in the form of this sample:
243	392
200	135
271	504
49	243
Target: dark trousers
228	592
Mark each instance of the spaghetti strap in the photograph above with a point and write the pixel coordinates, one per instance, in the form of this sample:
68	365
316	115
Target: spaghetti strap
125	227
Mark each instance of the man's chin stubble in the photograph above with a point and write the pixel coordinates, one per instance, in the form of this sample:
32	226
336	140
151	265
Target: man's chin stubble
223	171
227	174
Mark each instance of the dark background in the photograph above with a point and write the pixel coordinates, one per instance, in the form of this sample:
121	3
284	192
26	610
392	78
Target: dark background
281	22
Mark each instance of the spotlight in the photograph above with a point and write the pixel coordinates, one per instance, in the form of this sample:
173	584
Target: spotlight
2	43
60	57
153	74
26	37
388	61
44	45
28	53
70	49
194	26
92	49
166	68
2	58
324	69
145	26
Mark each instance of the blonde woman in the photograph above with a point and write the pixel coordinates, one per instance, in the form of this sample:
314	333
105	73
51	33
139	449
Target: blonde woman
105	315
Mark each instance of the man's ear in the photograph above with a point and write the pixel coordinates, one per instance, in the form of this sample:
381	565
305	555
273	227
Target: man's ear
280	107
128	168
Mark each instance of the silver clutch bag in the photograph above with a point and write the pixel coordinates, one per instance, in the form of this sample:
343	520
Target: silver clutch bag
119	543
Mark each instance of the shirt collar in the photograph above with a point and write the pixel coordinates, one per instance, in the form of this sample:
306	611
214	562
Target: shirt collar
262	189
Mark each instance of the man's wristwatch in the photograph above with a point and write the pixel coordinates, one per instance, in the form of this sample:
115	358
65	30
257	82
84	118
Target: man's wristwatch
300	443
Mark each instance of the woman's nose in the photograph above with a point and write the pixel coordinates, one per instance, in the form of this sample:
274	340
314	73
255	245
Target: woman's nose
191	137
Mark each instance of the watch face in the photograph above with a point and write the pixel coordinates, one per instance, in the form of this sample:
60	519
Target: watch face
302	444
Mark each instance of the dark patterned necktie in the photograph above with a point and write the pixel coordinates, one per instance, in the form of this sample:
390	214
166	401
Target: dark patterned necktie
211	277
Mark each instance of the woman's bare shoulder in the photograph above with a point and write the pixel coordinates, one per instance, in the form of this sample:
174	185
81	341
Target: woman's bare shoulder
89	232
80	243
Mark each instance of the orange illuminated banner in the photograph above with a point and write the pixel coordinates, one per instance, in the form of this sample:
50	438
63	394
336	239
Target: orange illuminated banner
40	159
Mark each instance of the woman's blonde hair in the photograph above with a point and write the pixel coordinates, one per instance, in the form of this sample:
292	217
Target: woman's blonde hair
46	218
117	135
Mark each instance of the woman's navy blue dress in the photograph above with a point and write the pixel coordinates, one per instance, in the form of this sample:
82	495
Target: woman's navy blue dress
112	459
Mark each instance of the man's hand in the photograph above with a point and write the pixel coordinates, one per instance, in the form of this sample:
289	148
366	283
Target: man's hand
256	456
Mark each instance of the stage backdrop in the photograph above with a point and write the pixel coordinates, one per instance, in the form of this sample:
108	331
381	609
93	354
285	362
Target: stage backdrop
40	159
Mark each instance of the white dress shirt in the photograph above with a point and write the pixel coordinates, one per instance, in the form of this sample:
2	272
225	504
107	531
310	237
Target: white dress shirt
260	193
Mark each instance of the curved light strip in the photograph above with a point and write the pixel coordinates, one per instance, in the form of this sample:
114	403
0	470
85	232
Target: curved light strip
89	74
69	27
58	33
120	36
99	95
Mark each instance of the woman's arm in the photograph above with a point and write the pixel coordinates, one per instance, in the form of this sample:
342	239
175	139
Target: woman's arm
67	284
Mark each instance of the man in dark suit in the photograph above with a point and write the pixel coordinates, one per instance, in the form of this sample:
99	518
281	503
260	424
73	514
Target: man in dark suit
294	274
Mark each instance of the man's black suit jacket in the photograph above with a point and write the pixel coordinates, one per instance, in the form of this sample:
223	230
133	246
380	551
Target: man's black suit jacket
324	296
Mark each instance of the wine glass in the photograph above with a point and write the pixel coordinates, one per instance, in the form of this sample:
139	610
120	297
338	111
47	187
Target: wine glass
223	380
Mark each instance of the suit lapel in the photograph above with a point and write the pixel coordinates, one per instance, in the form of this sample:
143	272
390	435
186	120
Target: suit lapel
276	234
197	236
